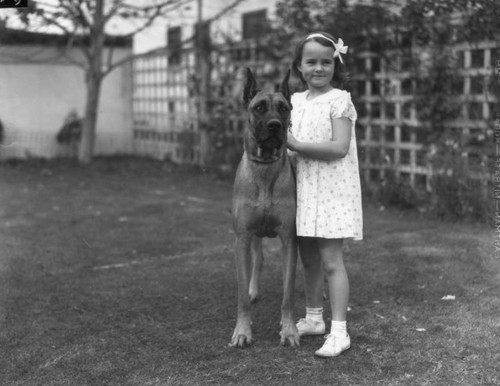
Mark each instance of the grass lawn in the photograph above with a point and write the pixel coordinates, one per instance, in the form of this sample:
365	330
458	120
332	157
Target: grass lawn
122	273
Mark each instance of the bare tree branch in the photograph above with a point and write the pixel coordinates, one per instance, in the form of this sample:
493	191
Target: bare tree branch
83	23
174	3
130	58
157	12
113	11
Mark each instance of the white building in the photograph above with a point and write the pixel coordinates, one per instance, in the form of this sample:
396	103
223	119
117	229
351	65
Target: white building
40	85
235	23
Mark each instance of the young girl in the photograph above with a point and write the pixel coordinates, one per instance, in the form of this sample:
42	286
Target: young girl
328	184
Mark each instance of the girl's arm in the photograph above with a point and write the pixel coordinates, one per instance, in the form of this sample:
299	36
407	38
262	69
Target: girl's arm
326	151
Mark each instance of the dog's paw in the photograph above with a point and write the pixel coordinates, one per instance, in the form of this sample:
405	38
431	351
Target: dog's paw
241	341
290	335
242	336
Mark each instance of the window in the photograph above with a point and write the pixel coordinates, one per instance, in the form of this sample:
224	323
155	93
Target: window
255	24
477	58
174	46
204	39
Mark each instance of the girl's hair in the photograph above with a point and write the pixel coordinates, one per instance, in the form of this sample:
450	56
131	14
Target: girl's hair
340	75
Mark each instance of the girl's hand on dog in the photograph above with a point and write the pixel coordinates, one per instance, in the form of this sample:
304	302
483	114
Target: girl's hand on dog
292	142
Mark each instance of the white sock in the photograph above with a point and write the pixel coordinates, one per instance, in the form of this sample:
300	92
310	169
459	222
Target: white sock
314	314
339	328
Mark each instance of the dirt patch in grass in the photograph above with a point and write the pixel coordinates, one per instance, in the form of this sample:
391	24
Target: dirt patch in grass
122	273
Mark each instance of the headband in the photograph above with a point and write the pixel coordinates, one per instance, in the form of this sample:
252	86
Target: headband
339	47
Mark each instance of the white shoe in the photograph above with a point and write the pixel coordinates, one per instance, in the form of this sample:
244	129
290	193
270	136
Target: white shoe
310	327
334	345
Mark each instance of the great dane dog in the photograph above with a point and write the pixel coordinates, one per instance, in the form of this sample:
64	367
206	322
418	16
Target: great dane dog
264	205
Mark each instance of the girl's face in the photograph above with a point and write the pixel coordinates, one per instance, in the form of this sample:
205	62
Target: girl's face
317	66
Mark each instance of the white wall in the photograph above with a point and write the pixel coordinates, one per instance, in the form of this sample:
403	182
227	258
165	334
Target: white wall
231	23
37	92
186	17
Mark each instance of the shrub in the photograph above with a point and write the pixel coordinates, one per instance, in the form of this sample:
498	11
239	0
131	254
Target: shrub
398	192
456	195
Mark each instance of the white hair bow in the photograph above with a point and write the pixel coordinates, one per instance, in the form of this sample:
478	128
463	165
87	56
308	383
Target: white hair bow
339	47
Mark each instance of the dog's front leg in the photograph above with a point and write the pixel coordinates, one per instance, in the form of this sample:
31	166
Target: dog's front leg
242	335
257	262
289	332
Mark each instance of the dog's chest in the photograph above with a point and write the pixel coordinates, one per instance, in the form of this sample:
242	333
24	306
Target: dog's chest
268	207
266	217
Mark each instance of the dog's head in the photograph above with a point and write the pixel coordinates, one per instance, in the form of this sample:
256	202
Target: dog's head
269	118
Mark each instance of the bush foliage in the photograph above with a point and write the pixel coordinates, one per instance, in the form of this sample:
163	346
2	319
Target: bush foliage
426	32
423	32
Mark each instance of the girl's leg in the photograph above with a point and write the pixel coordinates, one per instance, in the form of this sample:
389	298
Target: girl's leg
313	323
338	287
338	282
313	272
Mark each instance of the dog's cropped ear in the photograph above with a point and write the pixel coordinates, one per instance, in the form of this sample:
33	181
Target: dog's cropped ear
284	89
250	89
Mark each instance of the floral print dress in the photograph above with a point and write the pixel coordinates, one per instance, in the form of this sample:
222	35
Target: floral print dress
328	192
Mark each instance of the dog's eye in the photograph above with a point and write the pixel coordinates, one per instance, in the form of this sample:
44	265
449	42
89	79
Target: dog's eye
259	108
283	109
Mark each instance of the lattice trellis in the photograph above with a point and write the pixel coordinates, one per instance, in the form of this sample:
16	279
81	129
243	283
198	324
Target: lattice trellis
165	117
389	134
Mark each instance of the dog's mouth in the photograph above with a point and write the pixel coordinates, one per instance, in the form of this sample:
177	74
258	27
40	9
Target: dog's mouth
269	147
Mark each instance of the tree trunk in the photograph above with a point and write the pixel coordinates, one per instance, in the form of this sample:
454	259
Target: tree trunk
93	81
86	150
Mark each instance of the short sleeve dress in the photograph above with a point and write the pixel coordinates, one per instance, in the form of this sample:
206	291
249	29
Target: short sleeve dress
328	192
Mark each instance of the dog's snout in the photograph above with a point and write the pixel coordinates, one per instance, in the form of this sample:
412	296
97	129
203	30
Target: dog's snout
274	125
